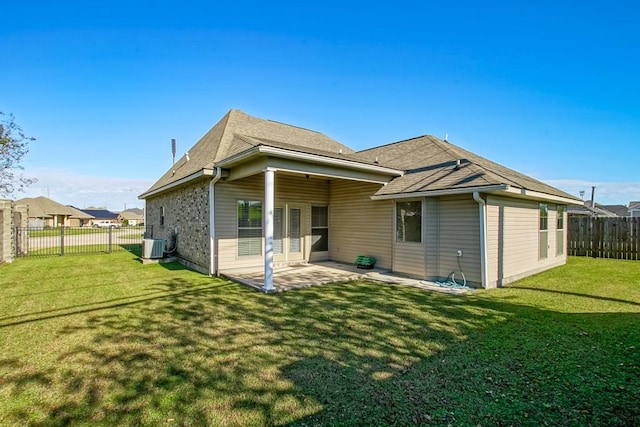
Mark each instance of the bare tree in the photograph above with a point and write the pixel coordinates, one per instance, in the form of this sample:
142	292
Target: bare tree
14	145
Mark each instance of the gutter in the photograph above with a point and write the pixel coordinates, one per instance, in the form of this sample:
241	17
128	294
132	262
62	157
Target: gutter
213	254
482	206
537	195
446	192
181	181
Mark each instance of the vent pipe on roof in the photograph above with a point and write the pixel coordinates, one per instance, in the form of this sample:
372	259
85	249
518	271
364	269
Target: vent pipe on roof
187	156
173	150
446	137
593	197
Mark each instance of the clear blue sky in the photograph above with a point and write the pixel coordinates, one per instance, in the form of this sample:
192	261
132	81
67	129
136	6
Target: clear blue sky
551	89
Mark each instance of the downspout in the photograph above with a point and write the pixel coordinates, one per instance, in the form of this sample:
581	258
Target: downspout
213	255
483	237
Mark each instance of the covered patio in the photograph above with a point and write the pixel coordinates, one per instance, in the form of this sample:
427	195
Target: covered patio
290	277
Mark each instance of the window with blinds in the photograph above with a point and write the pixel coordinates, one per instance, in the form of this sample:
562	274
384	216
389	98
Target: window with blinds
249	228
278	230
295	235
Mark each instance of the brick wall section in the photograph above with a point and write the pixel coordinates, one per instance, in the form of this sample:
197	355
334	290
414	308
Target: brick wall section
186	210
11	216
20	219
6	231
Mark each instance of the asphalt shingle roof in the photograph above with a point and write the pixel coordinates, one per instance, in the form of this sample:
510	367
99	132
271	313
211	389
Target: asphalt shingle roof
100	213
428	162
226	139
619	210
43	207
431	164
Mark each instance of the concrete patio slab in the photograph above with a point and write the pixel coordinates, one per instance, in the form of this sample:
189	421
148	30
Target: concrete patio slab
321	273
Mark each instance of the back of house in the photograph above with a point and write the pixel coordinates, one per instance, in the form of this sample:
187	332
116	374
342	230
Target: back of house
257	193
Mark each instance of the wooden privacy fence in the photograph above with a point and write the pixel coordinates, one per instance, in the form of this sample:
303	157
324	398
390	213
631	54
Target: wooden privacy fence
605	237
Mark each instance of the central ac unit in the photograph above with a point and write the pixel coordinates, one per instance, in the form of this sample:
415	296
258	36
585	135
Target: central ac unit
153	248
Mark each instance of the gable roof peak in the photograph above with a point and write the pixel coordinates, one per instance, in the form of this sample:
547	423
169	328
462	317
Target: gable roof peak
236	132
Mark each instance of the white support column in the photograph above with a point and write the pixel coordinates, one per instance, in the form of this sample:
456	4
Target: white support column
269	178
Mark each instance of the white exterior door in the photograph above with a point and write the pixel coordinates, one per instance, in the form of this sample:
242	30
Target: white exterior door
288	238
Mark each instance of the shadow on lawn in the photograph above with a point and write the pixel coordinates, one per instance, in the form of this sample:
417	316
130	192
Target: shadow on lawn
576	294
215	353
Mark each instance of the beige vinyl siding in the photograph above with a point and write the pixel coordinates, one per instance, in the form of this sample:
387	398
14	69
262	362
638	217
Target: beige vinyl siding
359	225
297	188
494	265
288	189
432	237
408	259
459	221
513	239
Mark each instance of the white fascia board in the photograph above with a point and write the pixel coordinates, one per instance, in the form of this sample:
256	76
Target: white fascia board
296	155
536	195
181	181
329	175
447	192
502	189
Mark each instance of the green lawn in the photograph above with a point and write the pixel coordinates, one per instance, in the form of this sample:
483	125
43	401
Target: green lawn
135	232
104	340
68	231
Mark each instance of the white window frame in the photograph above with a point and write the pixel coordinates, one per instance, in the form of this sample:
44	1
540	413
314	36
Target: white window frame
320	227
404	241
560	227
255	253
543	232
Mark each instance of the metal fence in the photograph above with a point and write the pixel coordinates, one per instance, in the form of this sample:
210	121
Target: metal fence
39	241
605	237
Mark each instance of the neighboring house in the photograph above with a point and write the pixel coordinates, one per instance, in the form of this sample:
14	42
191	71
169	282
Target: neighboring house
254	193
616	210
599	211
44	212
634	209
133	216
100	214
580	210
